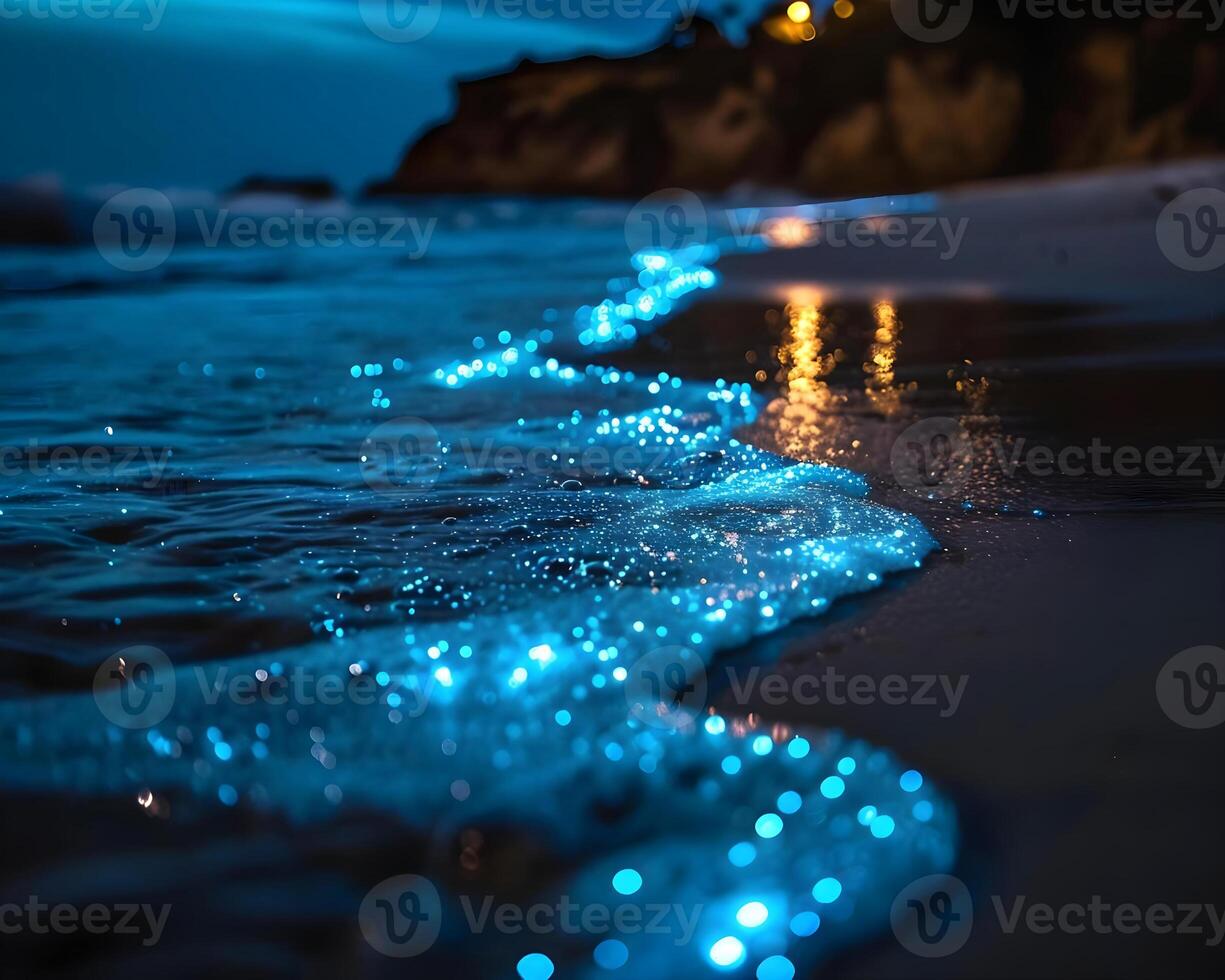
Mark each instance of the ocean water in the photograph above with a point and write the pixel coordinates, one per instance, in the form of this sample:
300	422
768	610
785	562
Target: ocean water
308	532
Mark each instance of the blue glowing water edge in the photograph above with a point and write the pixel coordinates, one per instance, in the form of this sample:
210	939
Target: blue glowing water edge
523	605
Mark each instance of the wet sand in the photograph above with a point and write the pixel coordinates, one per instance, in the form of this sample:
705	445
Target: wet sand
1070	780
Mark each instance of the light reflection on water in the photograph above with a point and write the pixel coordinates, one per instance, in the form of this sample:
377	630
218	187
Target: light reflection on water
503	600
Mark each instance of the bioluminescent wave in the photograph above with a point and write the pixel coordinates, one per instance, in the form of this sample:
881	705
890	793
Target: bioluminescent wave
541	558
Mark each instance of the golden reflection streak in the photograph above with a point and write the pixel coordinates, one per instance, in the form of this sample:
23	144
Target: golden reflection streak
879	370
806	398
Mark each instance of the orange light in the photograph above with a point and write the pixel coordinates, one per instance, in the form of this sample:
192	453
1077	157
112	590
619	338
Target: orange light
788	232
843	9
799	12
783	28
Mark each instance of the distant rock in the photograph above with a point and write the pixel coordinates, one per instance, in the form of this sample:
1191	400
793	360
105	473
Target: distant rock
859	109
34	212
304	188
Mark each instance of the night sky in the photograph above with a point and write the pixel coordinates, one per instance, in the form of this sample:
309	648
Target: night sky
201	93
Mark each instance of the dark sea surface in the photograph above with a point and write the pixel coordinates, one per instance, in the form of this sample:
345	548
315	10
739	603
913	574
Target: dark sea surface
472	520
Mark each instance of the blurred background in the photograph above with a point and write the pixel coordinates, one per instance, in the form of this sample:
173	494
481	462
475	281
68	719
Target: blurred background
606	209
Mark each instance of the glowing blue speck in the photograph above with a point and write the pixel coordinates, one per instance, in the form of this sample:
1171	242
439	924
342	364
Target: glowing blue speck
627	881
882	826
728	951
752	914
805	923
832	787
911	780
611	954
535	966
769	825
789	801
827	890
775	968
742	855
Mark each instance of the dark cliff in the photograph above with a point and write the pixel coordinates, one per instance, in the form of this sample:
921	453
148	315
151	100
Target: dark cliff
859	109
